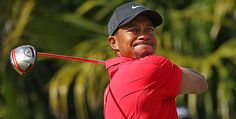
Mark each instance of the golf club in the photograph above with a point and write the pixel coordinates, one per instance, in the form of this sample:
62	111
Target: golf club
23	58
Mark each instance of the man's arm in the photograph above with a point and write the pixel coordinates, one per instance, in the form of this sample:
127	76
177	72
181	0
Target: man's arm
192	82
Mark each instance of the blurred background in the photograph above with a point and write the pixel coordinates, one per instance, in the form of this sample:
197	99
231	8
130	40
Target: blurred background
199	34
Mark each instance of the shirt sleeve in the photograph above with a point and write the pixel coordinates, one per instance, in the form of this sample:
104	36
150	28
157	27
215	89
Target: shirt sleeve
168	76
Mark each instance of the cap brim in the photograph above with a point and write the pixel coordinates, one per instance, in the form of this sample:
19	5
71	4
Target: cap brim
153	15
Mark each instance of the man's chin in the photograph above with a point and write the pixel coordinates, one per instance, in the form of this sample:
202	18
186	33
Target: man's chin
143	54
143	50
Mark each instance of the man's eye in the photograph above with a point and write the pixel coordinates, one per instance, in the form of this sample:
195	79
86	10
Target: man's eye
149	29
133	30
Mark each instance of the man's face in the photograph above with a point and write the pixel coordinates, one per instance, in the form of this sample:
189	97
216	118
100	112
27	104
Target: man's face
135	39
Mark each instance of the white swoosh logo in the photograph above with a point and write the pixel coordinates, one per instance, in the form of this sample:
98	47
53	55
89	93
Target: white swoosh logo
134	7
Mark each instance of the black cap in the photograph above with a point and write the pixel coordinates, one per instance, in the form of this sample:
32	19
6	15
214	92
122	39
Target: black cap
125	13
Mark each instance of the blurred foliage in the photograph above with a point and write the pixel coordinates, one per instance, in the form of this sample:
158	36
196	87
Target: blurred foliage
196	34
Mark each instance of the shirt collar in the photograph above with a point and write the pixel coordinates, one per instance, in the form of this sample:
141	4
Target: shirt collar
116	60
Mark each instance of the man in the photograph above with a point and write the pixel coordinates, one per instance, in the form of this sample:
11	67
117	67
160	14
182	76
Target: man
143	85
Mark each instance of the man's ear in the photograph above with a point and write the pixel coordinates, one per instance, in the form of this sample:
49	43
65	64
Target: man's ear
113	41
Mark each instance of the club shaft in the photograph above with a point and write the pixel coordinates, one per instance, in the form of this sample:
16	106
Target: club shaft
70	58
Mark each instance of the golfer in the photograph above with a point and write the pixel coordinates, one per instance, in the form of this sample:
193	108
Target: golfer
143	85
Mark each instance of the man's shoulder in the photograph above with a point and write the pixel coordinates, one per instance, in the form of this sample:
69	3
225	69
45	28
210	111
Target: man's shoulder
150	59
155	59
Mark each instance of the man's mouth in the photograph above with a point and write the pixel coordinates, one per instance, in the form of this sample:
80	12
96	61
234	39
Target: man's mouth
143	43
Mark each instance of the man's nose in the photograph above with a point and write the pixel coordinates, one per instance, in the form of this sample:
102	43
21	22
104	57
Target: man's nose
143	36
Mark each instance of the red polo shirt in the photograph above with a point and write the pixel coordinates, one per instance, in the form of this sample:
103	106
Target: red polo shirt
145	88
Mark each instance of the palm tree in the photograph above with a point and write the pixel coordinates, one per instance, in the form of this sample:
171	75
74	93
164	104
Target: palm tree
195	34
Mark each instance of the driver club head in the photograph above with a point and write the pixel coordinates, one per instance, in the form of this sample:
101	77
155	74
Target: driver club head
23	59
